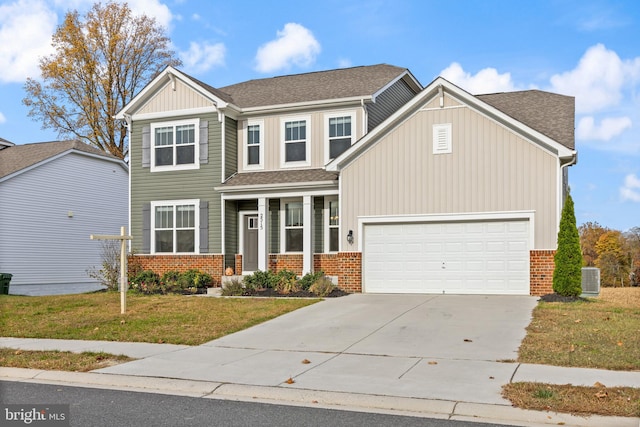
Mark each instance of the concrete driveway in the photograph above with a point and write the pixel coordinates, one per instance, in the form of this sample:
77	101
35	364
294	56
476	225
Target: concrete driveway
450	347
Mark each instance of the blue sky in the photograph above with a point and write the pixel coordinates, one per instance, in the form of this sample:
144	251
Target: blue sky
587	49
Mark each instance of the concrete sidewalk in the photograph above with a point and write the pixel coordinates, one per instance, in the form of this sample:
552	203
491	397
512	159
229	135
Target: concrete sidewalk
424	355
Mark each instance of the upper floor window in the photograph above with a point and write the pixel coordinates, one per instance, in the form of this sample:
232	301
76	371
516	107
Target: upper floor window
175	226
253	149
339	134
175	145
296	142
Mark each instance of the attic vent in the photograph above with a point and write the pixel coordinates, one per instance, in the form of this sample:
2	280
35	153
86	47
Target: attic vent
590	281
442	138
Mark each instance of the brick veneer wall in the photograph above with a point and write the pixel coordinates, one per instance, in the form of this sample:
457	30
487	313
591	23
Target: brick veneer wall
238	270
541	268
291	262
210	264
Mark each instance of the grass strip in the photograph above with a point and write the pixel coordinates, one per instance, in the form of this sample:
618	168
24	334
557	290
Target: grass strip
59	360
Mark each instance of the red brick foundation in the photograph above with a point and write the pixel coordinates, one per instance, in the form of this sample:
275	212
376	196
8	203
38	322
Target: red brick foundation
541	268
238	269
210	264
291	262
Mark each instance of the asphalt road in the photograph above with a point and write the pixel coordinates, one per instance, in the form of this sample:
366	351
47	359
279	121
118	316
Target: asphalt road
99	407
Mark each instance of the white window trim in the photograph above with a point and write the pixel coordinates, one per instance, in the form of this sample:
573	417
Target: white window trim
196	156
439	130
154	204
307	161
245	147
327	226
283	222
332	115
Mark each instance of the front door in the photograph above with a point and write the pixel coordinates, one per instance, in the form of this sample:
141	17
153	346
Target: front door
250	243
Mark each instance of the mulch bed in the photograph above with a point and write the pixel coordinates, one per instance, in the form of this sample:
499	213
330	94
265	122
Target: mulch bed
559	298
301	294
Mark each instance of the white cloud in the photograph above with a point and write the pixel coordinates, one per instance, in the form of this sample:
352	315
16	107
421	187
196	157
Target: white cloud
631	188
609	128
598	80
3	119
202	57
295	45
344	63
153	9
26	27
487	80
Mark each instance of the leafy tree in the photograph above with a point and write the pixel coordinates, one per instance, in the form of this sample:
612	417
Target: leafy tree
633	239
567	275
613	258
100	63
590	232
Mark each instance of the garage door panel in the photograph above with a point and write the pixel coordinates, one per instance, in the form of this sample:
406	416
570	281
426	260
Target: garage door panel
454	257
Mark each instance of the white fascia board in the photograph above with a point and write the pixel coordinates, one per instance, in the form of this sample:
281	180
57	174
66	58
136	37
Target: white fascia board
277	187
464	97
162	79
175	113
281	194
325	103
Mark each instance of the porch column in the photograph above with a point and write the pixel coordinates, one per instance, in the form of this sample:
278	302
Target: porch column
307	234
263	253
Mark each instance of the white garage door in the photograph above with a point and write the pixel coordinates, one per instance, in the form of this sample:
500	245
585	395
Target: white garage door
479	257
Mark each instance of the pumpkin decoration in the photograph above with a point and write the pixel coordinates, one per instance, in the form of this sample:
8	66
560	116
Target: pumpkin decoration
228	271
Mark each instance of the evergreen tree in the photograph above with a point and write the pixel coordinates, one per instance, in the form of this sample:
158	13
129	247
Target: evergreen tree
567	276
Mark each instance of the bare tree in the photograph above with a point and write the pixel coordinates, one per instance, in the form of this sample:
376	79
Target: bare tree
100	63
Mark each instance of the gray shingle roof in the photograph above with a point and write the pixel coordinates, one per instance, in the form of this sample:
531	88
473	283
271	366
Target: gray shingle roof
18	157
280	177
549	113
321	85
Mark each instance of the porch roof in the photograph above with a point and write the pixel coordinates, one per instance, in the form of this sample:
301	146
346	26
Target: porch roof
278	179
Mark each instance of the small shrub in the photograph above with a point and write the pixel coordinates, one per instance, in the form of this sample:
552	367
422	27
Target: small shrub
233	288
197	279
309	279
322	287
261	280
287	282
146	282
109	274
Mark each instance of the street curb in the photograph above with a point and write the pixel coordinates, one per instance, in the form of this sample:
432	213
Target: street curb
439	409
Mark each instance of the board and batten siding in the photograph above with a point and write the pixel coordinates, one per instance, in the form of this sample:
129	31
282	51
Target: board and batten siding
388	102
273	138
176	185
490	169
48	214
168	99
230	143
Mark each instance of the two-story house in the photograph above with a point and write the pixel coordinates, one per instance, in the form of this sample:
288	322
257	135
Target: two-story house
359	172
235	176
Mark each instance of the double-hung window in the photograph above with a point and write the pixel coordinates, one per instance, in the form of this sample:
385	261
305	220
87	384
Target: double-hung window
295	132
175	226
293	226
339	133
254	146
175	145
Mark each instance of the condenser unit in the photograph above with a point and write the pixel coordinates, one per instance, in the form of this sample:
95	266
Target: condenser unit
590	281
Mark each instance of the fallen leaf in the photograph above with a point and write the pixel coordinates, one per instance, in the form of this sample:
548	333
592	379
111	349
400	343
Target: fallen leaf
572	348
160	341
577	321
619	343
314	401
96	328
492	378
122	322
601	394
290	381
18	352
306	362
599	384
467	340
565	314
433	362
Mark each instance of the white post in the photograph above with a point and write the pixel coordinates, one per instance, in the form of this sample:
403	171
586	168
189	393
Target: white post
263	253
307	235
123	271
123	262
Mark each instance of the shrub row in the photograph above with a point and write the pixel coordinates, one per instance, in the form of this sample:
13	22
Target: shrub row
189	282
283	282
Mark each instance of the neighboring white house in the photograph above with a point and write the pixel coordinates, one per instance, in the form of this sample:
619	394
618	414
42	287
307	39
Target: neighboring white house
53	196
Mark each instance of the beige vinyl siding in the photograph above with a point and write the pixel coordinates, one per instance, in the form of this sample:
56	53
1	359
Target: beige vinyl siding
491	169
167	99
273	138
186	184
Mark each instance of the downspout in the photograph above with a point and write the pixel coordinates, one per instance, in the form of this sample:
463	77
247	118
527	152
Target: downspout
561	195
127	118
365	118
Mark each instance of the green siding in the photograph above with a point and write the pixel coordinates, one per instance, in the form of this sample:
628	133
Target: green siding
318	224
189	184
274	229
231	147
231	232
